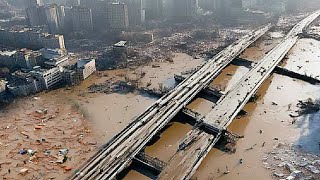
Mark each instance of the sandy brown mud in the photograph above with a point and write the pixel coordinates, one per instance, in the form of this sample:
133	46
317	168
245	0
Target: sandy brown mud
35	129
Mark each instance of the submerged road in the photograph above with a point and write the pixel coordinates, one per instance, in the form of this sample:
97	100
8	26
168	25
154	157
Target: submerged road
116	155
229	105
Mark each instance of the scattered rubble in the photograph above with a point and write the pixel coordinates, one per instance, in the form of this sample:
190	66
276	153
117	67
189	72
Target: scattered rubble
34	135
308	106
288	163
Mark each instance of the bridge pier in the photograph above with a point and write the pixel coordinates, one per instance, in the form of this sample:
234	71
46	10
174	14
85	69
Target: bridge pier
279	70
152	163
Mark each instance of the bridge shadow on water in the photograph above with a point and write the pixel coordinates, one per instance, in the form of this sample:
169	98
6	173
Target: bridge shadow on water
138	168
309	140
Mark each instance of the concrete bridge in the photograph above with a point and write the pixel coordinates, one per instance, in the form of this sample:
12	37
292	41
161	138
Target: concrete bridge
124	147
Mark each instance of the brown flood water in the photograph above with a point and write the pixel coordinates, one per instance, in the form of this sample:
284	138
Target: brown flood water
305	58
259	49
229	77
273	120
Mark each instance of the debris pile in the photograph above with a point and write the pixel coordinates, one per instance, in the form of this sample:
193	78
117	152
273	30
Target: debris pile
109	87
286	162
308	106
41	140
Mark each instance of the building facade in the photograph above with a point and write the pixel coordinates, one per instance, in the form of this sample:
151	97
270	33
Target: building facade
21	59
55	18
136	12
117	15
31	39
182	10
48	78
72	3
154	9
33	3
81	18
36	15
85	67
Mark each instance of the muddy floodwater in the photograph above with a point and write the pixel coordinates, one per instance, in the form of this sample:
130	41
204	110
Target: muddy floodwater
268	121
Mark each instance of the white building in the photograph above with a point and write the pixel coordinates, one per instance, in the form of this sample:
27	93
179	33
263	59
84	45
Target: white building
48	78
85	67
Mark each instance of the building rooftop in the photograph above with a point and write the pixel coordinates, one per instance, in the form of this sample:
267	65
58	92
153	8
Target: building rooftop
120	44
82	62
7	53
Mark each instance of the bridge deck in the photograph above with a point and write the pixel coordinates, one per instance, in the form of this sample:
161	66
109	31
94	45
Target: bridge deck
192	150
186	161
231	104
115	156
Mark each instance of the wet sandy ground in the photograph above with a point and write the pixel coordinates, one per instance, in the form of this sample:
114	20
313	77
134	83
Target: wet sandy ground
61	127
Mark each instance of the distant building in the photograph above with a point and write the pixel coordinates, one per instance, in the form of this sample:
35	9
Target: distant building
276	6
88	3
182	10
36	16
99	15
33	3
31	38
55	18
81	18
21	59
68	24
250	3
117	14
228	10
85	67
136	12
207	5
71	3
154	9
